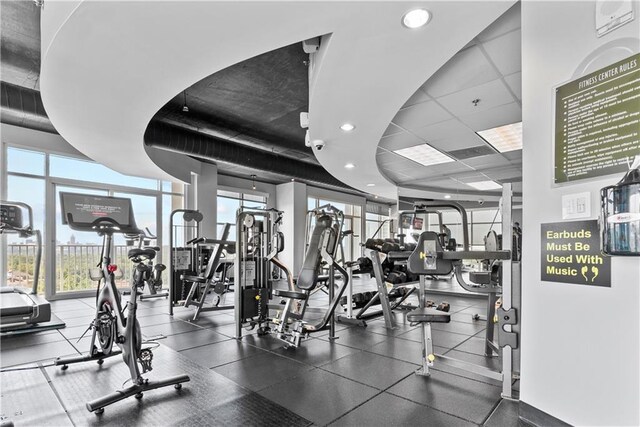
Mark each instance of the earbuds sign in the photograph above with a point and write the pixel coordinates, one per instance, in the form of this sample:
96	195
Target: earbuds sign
571	254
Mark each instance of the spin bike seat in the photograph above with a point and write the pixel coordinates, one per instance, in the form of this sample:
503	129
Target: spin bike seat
141	253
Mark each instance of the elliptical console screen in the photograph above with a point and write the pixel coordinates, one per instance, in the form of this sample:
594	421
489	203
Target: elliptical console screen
11	215
84	209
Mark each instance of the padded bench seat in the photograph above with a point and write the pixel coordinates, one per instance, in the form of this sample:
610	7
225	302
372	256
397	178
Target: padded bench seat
428	315
289	294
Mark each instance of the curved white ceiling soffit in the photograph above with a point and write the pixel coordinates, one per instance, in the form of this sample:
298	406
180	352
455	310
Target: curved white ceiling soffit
108	67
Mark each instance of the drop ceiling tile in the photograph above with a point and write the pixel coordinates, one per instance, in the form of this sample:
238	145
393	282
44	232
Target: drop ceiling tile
399	140
441	170
472	177
506	52
386	158
513	156
460	142
502	174
402	165
418	97
391	130
468	68
514	81
509	21
498	116
491	94
485	162
420	115
442	130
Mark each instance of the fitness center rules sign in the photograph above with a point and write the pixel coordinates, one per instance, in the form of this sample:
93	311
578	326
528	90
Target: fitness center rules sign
571	254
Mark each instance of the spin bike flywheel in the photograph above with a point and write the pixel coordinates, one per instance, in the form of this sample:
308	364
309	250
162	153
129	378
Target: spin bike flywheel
106	328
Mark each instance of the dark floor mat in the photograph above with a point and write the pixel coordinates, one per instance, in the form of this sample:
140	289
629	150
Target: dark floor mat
54	323
207	394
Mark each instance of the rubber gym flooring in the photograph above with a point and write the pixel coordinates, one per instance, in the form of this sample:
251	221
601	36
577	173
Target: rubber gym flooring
364	378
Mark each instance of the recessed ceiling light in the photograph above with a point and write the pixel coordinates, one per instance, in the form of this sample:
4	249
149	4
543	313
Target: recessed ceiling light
504	138
416	18
485	185
371	185
349	166
424	154
347	127
447	196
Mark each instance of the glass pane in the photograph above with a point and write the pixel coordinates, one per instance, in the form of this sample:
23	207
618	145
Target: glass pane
481	230
338	205
25	161
357	211
451	217
227	209
254	198
230	194
66	167
486	215
76	251
311	203
21	253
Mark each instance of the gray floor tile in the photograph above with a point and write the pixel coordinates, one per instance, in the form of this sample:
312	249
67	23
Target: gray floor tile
465	398
371	369
192	339
28	400
505	415
388	410
316	352
220	353
83	311
474	345
357	338
408	351
34	353
459	327
167	329
331	395
262	371
440	338
15	341
155	319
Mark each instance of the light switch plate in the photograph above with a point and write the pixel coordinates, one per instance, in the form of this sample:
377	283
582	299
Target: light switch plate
577	205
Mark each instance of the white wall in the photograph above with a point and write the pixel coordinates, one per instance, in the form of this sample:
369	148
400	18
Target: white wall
580	345
292	200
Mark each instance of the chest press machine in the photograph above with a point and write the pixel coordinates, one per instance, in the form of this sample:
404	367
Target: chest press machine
323	245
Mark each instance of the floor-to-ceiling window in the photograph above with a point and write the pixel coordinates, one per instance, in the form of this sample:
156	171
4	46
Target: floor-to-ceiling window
37	178
229	202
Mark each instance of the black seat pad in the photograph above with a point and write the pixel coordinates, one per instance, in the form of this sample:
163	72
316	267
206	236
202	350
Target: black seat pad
289	294
144	253
429	315
480	277
155	248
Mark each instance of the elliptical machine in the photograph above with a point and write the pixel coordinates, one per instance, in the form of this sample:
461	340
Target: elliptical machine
106	216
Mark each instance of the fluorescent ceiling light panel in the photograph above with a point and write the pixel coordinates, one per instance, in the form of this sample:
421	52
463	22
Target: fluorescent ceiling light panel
504	138
485	185
424	154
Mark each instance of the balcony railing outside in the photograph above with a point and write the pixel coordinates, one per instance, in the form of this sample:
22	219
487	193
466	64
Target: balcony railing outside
72	266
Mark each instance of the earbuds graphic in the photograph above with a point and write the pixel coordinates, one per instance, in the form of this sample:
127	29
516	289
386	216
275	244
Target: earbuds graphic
584	272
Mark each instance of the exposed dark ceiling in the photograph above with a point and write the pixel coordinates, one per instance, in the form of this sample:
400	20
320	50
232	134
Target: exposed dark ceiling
256	103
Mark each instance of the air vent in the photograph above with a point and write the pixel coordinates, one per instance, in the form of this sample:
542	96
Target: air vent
468	153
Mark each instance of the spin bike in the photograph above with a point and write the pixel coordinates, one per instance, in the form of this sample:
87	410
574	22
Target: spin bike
106	216
152	276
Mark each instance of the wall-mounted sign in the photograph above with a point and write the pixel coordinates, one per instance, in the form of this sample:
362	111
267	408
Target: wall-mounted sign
571	254
597	122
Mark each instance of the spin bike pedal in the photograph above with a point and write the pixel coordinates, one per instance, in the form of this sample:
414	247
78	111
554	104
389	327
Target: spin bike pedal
145	358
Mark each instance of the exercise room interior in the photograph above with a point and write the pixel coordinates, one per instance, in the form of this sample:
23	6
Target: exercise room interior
320	213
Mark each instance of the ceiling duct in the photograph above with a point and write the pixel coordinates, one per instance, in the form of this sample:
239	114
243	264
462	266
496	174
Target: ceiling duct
166	137
23	107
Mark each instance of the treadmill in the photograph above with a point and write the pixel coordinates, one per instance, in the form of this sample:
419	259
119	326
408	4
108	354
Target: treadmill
18	306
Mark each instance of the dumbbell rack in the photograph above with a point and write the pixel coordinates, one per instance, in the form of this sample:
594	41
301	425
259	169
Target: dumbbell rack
381	296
